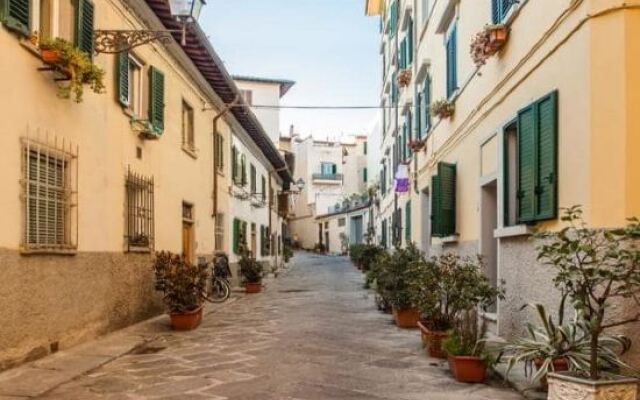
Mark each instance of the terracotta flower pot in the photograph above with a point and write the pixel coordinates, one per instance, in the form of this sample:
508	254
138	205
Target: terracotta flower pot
406	318
468	369
186	321
50	56
498	37
560	364
433	341
252	287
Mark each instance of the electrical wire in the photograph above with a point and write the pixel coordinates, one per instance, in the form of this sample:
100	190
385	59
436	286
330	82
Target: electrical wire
323	107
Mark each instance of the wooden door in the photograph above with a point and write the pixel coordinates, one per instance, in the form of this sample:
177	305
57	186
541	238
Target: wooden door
187	241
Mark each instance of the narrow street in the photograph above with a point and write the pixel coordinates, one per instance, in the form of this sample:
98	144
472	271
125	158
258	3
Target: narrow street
314	334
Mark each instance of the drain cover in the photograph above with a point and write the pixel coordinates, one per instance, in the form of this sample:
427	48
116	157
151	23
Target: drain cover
293	291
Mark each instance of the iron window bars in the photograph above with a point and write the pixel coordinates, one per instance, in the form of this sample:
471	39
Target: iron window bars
140	211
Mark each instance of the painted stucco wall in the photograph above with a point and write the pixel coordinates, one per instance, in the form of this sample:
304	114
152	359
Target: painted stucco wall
265	94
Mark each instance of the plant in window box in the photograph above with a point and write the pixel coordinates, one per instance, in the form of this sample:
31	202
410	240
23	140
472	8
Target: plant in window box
415	145
596	267
74	64
140	240
145	129
183	286
404	77
251	272
488	42
442	109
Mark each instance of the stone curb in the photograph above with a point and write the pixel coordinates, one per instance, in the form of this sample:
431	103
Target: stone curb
520	383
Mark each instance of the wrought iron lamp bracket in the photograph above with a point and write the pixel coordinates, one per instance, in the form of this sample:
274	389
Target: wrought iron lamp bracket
118	41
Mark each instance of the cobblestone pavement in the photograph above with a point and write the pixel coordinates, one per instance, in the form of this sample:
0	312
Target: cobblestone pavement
313	334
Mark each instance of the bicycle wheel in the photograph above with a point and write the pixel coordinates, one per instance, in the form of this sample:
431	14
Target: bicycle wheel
219	291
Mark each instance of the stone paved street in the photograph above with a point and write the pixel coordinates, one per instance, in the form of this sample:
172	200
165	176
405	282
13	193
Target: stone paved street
314	334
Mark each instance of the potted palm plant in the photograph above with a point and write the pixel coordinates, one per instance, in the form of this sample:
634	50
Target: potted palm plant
443	287
183	286
595	267
252	273
465	348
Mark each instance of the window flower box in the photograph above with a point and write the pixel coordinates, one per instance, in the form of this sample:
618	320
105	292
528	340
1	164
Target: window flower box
404	78
415	145
145	129
488	42
442	109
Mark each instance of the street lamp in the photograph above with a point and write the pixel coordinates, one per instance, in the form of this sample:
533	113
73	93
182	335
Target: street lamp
115	41
300	184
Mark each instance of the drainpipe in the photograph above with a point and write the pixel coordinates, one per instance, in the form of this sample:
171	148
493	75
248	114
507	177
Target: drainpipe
214	196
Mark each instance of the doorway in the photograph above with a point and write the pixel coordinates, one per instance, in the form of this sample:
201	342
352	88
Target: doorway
425	219
488	242
356	230
254	242
187	233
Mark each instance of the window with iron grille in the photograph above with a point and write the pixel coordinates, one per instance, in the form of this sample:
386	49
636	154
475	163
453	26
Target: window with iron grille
140	211
49	179
219	232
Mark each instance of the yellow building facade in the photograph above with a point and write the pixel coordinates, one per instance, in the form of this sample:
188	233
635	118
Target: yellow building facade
549	121
92	189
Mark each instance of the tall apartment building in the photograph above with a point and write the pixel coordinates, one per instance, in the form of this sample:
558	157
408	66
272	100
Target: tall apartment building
332	171
92	189
548	121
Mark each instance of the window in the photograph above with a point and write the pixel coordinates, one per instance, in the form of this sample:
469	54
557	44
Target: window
156	100
253	186
364	147
383	233
407	231
243	170
219	152
239	236
328	168
247	95
510	173
443	201
409	43
402	62
48	191
341	222
536	174
130	83
364	175
393	18
500	9
235	170
394	88
426	104
424	10
188	139
452	60
139	211
263	188
219	232
264	239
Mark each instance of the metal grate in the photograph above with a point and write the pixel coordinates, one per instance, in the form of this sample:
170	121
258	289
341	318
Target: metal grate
140	211
49	174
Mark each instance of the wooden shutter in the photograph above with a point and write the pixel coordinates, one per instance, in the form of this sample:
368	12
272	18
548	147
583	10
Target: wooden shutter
156	99
123	78
495	11
234	164
16	15
364	175
447	174
418	115
426	100
526	164
546	170
393	18
243	170
84	26
452	62
236	236
264	188
436	214
408	222
410	42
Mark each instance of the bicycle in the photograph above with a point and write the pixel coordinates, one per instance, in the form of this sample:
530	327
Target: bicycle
219	289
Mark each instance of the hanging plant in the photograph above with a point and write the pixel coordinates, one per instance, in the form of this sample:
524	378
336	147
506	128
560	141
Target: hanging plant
442	108
415	145
75	65
404	77
488	42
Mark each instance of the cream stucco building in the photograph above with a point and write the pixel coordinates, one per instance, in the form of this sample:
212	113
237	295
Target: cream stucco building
549	121
92	189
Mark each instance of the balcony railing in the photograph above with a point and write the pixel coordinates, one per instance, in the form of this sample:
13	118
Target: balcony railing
327	177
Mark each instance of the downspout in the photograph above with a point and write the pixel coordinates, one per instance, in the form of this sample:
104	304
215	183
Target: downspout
214	196
275	251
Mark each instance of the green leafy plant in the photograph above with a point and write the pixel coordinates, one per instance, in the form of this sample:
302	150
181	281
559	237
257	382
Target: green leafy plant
552	340
394	275
181	283
82	71
250	269
467	338
443	287
287	253
442	108
355	253
594	267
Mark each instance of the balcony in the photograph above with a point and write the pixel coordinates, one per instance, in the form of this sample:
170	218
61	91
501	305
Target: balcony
332	179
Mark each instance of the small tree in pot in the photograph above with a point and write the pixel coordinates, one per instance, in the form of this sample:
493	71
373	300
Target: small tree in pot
183	286
595	267
466	349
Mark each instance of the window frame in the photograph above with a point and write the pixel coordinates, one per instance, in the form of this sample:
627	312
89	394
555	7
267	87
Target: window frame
188	127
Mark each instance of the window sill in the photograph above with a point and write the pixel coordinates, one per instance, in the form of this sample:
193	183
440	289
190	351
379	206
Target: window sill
30	47
49	252
139	250
190	151
488	316
513	231
450	239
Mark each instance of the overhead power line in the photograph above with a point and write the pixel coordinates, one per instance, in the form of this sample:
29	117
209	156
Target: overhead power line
326	107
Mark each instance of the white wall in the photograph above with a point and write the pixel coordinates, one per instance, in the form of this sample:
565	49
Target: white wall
267	94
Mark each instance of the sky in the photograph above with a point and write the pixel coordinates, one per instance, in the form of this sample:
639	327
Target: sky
328	47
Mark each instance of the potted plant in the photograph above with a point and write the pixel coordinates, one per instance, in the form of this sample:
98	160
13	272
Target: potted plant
394	284
75	64
415	145
182	285
355	254
251	272
595	267
557	346
442	109
465	348
404	77
443	287
488	42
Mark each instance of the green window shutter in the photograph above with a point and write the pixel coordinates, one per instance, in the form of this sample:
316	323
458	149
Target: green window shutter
252	172
234	164
364	175
16	15
243	170
410	42
403	54
426	95
264	188
408	222
547	169
447	174
409	131
123	78
156	99
526	164
334	169
262	240
84	26
436	214
418	115
236	236
496	16
452	62
393	18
